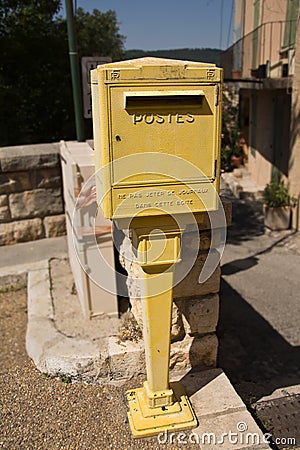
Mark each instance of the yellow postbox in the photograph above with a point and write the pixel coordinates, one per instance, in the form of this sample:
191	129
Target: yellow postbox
157	157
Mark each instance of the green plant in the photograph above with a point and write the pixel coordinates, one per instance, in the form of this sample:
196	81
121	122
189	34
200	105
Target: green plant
276	194
46	375
65	379
231	144
13	288
130	330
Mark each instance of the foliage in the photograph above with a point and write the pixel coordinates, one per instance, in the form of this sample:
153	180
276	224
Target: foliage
35	82
98	33
231	144
65	379
276	194
210	55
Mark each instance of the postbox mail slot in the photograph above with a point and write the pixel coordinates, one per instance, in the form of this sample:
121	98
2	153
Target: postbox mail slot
160	99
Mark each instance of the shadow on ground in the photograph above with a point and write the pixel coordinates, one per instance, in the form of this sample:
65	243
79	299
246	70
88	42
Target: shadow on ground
247	220
256	358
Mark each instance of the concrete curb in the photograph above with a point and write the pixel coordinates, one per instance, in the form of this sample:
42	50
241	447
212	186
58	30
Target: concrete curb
53	352
15	277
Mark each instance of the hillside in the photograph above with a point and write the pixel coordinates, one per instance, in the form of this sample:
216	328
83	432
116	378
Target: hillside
211	55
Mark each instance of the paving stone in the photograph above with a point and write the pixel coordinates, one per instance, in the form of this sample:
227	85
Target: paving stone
225	431
212	390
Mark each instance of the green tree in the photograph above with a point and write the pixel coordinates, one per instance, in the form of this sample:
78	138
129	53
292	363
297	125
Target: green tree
34	78
98	33
35	84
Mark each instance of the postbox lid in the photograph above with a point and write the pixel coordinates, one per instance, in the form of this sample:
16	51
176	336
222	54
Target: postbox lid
160	68
153	61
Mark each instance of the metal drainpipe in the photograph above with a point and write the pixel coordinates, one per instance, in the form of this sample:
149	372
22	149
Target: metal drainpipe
77	97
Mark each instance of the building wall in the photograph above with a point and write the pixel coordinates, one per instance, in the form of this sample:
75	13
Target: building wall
269	11
258	22
260	137
294	160
265	126
31	201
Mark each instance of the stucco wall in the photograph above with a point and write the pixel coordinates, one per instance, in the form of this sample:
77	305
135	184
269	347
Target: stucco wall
294	162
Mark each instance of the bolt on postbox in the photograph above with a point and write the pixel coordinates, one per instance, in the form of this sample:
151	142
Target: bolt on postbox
157	158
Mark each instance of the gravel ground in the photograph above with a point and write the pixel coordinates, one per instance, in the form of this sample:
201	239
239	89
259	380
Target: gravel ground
40	413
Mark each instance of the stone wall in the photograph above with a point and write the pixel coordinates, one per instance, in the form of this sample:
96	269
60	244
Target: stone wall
195	312
31	201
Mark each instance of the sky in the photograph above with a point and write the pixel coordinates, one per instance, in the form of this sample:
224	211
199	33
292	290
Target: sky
170	24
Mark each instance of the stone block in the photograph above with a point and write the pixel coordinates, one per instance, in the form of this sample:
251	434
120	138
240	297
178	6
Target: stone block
4	209
14	182
185	285
125	358
36	203
136	309
177	328
199	351
4	214
201	314
216	217
21	231
189	286
3	200
204	239
29	157
46	178
133	280
55	225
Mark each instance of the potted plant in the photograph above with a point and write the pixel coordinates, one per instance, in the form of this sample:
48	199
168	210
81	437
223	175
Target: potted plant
277	206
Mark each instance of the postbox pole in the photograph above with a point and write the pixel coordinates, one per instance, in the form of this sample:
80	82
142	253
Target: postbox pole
159	404
157	313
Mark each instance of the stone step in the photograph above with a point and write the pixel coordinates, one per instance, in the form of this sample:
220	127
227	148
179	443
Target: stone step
241	186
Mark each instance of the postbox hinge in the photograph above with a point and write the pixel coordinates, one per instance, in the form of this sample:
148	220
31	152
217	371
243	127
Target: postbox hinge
217	95
215	169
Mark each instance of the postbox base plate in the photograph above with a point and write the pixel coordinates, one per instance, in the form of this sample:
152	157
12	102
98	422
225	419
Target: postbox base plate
145	421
